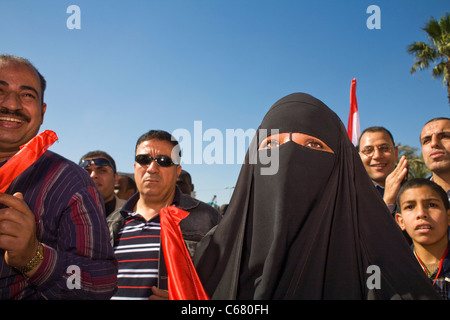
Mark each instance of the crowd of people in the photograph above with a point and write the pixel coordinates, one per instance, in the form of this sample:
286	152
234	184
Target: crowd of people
312	230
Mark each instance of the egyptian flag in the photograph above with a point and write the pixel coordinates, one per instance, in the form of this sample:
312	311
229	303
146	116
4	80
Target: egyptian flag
27	155
353	128
183	281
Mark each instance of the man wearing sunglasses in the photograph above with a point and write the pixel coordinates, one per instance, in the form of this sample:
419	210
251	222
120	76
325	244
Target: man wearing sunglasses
379	156
52	223
135	229
102	169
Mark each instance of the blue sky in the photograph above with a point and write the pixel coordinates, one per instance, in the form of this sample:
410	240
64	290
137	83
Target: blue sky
165	64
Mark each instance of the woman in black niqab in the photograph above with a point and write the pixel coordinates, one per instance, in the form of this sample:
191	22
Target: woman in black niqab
315	228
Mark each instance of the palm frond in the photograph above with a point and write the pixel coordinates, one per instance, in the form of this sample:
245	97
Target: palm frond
416	47
436	52
416	165
445	24
438	70
424	55
433	29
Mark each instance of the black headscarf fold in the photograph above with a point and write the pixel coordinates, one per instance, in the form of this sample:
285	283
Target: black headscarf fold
314	229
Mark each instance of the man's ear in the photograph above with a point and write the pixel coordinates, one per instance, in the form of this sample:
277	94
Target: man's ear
399	219
396	154
44	108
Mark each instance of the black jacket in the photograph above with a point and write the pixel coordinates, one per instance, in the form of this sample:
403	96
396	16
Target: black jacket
202	218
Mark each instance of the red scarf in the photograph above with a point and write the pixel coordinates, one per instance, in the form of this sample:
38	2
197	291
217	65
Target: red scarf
27	155
183	281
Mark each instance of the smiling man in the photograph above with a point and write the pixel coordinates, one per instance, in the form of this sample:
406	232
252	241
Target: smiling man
22	109
435	142
379	156
51	215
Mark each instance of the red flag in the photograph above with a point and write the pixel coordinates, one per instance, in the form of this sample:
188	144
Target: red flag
183	281
353	128
27	155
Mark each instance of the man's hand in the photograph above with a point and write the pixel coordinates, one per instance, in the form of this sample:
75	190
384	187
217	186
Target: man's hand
159	294
394	181
17	231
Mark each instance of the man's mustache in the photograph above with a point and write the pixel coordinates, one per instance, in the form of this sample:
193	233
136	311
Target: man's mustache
15	114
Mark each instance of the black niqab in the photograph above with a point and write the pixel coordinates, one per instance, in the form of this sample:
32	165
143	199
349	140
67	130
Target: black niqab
316	229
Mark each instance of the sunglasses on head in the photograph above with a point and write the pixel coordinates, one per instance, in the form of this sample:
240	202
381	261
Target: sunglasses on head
98	162
162	161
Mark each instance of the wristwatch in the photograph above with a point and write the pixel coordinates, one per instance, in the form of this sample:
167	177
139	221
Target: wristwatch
33	262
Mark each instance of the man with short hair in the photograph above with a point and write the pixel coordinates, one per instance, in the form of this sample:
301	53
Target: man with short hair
125	187
102	169
184	182
379	156
435	142
136	230
51	214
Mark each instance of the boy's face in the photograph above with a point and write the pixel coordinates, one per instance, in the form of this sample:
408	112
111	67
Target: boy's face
423	215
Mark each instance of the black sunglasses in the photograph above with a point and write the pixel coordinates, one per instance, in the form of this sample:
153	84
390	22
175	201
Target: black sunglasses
98	162
162	161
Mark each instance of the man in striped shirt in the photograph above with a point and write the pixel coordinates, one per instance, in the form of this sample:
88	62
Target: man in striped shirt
53	234
136	228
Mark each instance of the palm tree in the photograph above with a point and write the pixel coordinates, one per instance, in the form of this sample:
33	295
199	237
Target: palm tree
416	165
436	52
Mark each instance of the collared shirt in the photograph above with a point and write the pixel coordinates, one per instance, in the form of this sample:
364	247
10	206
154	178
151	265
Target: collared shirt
137	252
70	223
137	249
137	243
380	189
391	207
442	286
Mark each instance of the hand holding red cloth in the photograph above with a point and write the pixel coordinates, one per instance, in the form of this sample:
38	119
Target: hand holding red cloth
183	281
27	155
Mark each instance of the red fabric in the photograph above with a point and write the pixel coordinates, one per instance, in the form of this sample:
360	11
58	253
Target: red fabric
183	281
26	156
353	129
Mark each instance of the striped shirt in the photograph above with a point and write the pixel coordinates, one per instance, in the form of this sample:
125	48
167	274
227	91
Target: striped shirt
70	223
137	251
442	286
442	283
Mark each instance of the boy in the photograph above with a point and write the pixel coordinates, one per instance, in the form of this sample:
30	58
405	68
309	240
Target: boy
424	214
